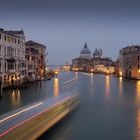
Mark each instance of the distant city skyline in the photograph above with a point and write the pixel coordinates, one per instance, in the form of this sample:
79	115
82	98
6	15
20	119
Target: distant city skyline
65	25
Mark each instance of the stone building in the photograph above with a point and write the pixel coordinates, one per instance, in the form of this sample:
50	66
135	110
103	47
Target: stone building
82	63
12	56
129	62
102	65
36	62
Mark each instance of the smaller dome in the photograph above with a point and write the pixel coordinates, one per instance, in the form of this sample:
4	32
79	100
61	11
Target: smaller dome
96	52
85	50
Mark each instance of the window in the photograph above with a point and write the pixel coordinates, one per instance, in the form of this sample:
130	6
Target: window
0	36
0	66
5	37
129	66
0	49
15	51
5	66
10	66
138	57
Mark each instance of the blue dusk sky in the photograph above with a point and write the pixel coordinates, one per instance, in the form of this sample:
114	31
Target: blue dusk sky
65	25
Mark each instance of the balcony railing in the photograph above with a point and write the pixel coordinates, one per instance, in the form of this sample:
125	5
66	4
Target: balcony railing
10	58
12	71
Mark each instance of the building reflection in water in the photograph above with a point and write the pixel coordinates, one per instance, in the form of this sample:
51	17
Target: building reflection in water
56	87
76	75
138	92
120	85
91	85
16	98
107	85
137	130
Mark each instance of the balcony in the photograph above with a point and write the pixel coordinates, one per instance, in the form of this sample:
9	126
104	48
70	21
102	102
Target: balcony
10	58
11	71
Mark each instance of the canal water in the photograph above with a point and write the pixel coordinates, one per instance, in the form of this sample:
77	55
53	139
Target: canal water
109	106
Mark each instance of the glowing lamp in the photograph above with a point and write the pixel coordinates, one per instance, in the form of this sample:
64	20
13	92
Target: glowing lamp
120	73
91	70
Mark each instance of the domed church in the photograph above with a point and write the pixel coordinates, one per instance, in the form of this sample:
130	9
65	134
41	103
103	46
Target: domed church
85	52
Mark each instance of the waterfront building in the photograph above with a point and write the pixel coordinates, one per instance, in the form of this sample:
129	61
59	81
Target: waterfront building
85	52
66	67
81	64
129	62
36	62
116	66
103	65
12	56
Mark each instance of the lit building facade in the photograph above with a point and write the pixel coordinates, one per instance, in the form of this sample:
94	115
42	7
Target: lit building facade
12	56
81	64
103	65
36	59
129	62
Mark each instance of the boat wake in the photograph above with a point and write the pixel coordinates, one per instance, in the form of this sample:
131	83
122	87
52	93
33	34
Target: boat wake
70	81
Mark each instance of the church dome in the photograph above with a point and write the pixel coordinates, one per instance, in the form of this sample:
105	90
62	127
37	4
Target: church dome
85	50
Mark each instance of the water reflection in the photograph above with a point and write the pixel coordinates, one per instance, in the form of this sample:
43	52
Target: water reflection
137	131
91	85
16	98
91	74
120	84
107	85
56	87
138	92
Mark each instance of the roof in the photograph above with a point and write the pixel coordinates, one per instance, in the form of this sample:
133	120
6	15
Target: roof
85	50
33	43
12	33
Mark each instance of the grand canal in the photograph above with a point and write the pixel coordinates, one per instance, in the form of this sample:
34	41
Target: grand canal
109	106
